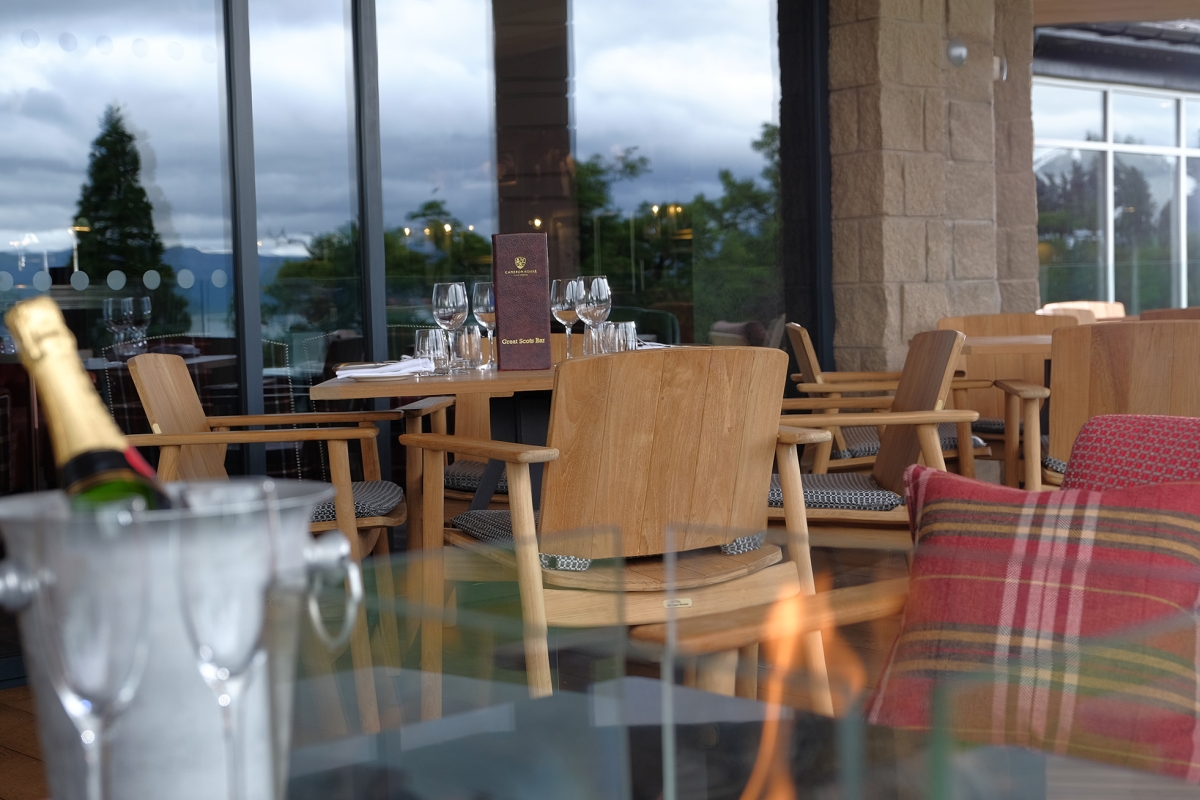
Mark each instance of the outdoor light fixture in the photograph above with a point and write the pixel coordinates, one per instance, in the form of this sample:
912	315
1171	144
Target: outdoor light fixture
427	231
407	231
447	227
537	223
654	209
956	51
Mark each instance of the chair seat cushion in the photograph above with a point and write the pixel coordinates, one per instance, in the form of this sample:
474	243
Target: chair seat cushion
464	476
494	526
864	441
988	425
371	499
1054	620
848	490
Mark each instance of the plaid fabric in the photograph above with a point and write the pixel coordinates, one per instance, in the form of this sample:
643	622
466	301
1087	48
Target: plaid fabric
1115	451
1063	621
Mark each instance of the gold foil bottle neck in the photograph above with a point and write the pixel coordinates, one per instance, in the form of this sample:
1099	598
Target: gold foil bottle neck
78	420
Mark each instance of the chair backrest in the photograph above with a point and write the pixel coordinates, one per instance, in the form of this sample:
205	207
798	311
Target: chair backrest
1127	368
1159	314
923	385
806	354
1084	315
668	437
1032	368
1101	308
172	406
1119	450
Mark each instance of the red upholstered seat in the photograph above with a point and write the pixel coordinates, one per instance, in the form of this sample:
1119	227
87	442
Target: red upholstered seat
1121	450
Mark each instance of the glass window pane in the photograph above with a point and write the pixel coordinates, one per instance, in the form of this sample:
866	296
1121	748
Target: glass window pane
111	130
308	236
1192	126
676	140
1144	230
1193	231
1143	119
1061	112
436	84
1071	207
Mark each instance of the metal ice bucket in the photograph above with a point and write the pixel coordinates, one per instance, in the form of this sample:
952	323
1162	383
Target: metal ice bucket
168	743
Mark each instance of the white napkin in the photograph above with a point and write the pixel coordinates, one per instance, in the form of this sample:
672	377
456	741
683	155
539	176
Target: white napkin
651	345
388	369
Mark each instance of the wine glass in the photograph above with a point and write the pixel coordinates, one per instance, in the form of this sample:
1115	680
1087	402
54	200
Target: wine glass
565	294
627	336
143	325
484	302
112	322
224	574
450	310
91	614
593	308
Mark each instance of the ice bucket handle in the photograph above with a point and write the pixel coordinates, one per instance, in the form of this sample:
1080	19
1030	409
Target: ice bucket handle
329	557
17	589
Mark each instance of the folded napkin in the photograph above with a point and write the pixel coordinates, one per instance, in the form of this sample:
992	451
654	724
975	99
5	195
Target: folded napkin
651	345
386	369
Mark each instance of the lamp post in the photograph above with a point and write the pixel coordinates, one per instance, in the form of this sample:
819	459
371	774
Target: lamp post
82	227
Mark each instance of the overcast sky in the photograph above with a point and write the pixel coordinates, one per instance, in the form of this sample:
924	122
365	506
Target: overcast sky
689	82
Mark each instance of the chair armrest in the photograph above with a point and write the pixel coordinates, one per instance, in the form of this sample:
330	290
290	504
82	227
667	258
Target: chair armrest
250	437
426	405
829	403
879	418
842	377
790	435
971	383
1051	477
848	386
1023	389
306	418
509	452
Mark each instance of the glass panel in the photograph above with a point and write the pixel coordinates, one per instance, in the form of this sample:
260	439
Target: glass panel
1193	231
684	171
1145	233
436	86
1192	124
308	235
1071	207
1143	119
1060	112
114	190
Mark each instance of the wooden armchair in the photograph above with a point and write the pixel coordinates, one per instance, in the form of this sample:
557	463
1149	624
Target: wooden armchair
996	414
638	442
1130	368
192	447
856	447
854	510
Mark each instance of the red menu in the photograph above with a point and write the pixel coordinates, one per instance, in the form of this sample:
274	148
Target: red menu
521	274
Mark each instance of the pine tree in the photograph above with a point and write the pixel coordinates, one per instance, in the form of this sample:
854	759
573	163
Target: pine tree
114	205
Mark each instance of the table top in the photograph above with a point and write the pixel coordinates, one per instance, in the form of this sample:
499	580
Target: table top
1007	345
474	382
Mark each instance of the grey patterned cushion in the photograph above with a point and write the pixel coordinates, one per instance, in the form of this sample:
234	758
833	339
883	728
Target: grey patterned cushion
371	499
464	476
1054	465
495	527
848	490
991	425
862	442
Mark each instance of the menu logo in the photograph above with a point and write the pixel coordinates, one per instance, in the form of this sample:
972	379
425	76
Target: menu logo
520	262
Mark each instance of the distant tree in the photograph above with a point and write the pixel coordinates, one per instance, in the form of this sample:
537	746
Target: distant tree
114	206
321	292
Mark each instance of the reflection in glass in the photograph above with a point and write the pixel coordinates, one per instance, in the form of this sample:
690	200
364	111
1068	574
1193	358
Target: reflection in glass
1143	119
1144	230
1071	203
1193	231
1061	112
1191	131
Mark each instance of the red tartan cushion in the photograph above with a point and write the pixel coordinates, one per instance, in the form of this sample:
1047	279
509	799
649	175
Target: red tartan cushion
1119	450
1059	620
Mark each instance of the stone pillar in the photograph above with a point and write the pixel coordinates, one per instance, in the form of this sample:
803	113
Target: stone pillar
914	172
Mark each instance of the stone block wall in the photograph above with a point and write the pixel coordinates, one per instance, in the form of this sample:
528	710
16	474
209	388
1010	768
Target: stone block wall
927	219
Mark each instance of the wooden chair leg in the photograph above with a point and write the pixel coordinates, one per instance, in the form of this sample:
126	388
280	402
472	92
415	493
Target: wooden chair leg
717	672
931	446
360	642
1033	444
1012	439
529	581
432	581
966	451
821	458
414	490
747	672
318	668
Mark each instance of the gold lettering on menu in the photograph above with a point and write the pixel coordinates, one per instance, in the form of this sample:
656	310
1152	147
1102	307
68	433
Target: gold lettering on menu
535	340
520	263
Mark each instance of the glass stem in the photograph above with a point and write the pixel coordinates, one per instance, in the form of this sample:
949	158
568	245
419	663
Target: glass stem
568	329
93	758
233	744
491	351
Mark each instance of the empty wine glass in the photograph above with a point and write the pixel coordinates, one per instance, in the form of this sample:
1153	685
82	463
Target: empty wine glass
484	303
627	336
565	294
223	577
593	309
431	344
112	323
450	310
91	614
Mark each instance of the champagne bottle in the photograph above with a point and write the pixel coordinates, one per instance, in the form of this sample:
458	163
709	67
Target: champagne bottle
96	464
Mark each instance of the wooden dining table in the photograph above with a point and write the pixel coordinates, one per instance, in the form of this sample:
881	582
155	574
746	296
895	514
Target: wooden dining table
1007	345
474	382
